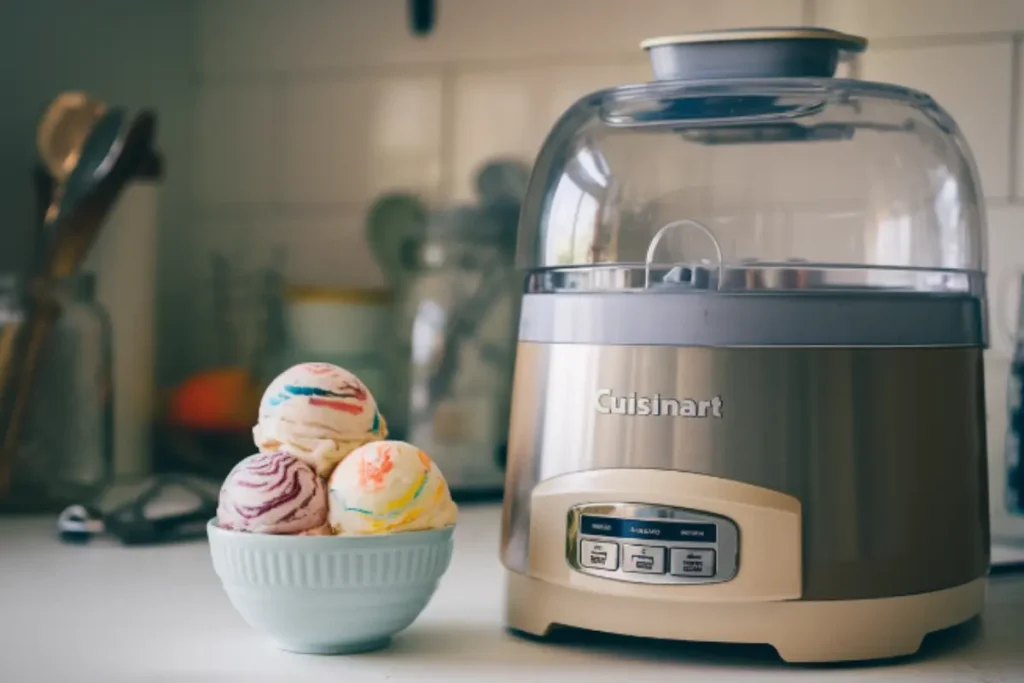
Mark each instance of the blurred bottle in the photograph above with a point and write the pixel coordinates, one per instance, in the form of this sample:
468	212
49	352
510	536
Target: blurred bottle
67	453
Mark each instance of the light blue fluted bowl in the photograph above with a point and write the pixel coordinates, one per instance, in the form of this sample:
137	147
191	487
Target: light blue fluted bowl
330	594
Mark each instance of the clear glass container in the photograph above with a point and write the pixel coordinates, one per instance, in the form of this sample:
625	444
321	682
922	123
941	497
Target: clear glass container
1014	446
745	166
457	326
66	454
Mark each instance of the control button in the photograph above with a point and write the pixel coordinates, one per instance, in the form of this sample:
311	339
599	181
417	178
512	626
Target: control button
692	562
599	555
643	559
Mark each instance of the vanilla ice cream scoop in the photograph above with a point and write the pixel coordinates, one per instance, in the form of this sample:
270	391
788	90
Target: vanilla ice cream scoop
385	487
319	413
273	493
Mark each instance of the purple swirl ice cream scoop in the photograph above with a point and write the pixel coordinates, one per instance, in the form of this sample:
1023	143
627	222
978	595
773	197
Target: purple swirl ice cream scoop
273	493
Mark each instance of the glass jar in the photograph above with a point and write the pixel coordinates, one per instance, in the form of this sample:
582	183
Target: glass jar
1014	488
66	454
457	326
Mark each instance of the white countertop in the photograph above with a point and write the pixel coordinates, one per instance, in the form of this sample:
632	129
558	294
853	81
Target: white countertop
109	614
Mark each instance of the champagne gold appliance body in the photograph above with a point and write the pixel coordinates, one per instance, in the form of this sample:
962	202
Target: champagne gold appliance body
748	402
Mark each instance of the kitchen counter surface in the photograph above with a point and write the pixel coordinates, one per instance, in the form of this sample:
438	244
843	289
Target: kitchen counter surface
109	614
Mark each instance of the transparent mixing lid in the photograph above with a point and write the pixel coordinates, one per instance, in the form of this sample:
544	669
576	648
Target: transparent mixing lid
746	166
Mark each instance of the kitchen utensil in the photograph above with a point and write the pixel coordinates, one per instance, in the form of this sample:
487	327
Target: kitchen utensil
501	186
102	150
502	181
111	154
463	325
63	130
44	188
395	231
801	464
456	336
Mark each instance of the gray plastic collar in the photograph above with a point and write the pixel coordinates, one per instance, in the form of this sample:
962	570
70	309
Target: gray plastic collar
703	319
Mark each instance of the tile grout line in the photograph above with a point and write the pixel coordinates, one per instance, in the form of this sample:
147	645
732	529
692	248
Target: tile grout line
472	65
446	157
1014	132
279	153
941	40
476	65
398	70
809	12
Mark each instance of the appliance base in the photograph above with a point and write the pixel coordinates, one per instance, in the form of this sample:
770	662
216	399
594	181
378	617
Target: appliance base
800	631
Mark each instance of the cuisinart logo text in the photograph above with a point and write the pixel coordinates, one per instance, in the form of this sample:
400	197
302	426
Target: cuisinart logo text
607	403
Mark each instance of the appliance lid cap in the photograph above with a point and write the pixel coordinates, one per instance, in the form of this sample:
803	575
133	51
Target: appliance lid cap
784	52
848	41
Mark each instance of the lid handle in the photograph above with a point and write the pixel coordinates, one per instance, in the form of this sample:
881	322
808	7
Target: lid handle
751	53
685	222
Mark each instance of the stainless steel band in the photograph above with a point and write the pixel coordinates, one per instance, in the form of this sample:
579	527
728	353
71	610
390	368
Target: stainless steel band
847	432
745	320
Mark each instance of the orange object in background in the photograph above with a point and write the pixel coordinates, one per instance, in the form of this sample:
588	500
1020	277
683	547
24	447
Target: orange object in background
225	399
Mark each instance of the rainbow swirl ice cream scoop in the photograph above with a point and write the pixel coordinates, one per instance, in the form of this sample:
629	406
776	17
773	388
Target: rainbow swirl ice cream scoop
319	413
273	493
386	487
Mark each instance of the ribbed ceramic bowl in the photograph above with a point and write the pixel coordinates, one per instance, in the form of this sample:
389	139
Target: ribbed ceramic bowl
330	594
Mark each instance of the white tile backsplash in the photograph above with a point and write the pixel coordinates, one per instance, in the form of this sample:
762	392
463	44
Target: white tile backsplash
1018	122
238	138
321	247
311	108
243	35
327	249
330	34
543	29
350	139
509	112
906	18
972	82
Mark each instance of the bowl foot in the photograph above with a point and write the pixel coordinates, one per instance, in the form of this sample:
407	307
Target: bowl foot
335	649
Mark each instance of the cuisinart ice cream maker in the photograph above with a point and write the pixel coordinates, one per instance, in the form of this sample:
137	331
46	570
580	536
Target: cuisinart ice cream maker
748	401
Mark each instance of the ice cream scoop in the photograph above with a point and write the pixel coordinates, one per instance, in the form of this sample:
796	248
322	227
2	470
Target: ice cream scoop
388	486
319	413
273	493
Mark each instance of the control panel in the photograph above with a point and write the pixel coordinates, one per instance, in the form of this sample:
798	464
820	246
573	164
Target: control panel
645	543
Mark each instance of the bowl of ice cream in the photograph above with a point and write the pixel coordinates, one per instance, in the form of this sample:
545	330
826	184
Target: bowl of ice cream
338	545
330	594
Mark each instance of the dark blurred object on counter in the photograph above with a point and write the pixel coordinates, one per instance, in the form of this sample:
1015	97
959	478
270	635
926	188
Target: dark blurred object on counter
162	509
207	425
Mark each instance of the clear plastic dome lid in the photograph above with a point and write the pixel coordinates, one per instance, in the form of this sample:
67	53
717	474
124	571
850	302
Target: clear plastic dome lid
745	165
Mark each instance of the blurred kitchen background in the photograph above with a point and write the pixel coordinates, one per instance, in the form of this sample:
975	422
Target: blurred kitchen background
329	179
